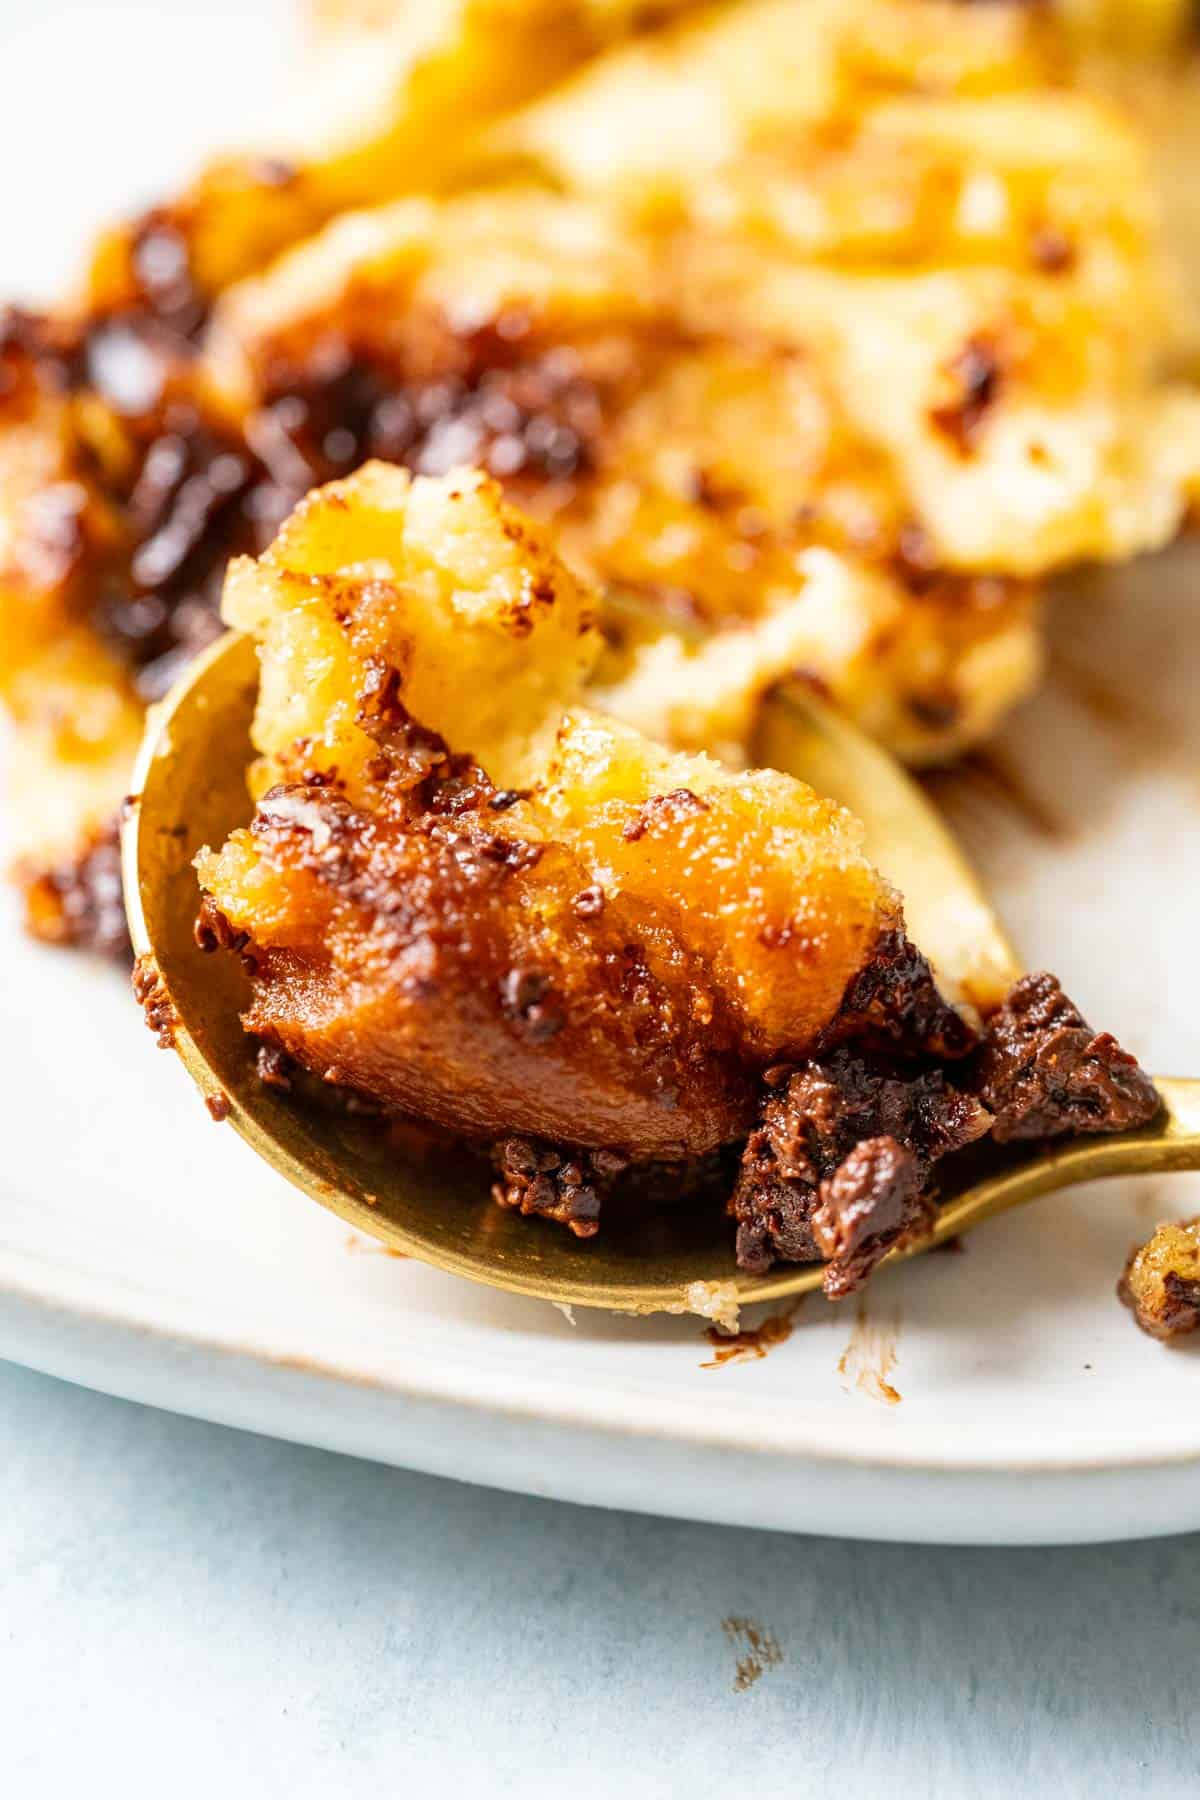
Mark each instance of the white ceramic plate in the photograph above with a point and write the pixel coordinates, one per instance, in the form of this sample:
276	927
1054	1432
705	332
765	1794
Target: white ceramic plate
1030	1409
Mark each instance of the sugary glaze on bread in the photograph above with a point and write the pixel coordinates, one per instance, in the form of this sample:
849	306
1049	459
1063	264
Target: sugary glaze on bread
479	904
461	885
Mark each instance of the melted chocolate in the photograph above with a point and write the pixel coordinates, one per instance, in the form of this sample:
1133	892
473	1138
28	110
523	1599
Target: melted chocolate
1043	1072
977	374
837	1168
195	503
157	1008
78	903
564	1185
507	407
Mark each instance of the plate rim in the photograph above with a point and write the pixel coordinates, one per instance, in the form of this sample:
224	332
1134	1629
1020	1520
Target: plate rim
438	1381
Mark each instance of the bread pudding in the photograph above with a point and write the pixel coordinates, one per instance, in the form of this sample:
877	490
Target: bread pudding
474	899
536	335
820	333
1161	1281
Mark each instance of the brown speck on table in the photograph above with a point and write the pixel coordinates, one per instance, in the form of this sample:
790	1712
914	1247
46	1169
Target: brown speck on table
757	1648
218	1107
751	1345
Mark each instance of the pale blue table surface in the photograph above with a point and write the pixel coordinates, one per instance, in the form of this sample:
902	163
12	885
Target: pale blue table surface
190	1611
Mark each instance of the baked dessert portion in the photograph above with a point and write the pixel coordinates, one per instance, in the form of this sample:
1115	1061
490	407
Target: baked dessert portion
1161	1281
715	478
1148	58
484	905
917	196
819	331
457	883
123	491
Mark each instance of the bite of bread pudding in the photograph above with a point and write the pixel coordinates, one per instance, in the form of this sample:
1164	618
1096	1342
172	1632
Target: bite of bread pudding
486	906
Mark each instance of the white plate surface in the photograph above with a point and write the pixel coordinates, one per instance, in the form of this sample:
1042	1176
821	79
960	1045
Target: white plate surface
1030	1410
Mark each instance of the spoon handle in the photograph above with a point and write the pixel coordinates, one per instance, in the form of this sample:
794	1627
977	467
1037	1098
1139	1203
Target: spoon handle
1170	1142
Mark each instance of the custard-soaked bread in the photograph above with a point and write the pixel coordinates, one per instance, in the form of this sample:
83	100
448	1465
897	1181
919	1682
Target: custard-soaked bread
698	95
481	903
715	477
965	244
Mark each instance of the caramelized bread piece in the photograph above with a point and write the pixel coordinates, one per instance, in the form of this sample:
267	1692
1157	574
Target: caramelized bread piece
541	338
965	244
1161	1281
469	898
476	901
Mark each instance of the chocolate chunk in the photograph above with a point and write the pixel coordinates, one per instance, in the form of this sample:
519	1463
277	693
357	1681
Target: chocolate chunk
567	1186
151	995
78	902
894	1004
868	1195
1043	1072
976	375
212	931
837	1167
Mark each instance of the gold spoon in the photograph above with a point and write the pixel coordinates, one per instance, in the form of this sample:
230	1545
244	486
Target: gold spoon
431	1202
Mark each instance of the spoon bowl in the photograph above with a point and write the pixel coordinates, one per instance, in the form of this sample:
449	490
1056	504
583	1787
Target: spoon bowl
425	1199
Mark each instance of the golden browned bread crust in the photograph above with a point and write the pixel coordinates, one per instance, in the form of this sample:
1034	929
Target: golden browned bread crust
476	903
551	926
1161	1281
